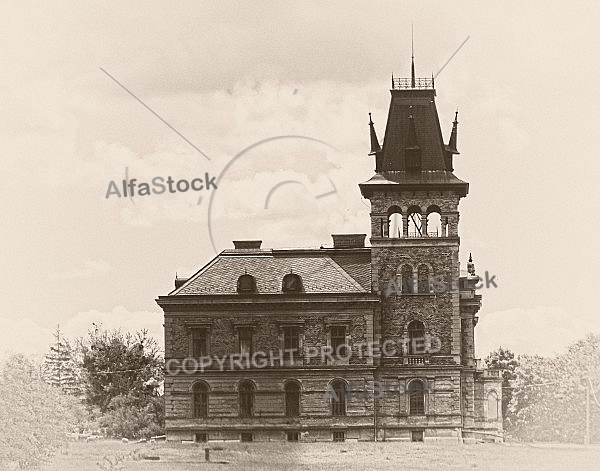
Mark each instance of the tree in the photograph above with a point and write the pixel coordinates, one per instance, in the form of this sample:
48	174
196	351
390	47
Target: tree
60	368
504	360
34	415
549	399
123	375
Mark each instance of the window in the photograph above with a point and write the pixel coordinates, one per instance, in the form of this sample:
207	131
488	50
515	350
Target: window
416	398
200	400
292	399
338	407
414	222
416	435
246	436
199	342
339	436
338	338
394	224
245	340
246	284
416	338
293	436
200	437
246	398
291	283
434	221
291	341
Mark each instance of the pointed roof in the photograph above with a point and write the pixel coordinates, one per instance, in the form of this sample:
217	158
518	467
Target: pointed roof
414	153
451	147
413	119
375	147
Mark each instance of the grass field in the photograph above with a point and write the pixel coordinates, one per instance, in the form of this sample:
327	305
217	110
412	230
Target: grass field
82	456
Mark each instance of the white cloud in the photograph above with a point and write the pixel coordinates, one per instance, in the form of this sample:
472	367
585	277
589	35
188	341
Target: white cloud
118	318
26	336
23	336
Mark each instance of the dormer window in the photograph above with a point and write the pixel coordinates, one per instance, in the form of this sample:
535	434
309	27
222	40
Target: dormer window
246	284
291	283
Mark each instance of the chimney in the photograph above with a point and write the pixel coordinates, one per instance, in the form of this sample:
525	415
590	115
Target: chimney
348	241
247	244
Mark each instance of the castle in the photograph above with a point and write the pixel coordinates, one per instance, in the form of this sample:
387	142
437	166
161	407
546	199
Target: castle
274	344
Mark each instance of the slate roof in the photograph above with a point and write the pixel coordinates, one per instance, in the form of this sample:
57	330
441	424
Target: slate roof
321	270
421	105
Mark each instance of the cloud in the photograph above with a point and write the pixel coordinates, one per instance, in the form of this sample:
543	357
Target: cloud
23	336
118	318
92	268
26	336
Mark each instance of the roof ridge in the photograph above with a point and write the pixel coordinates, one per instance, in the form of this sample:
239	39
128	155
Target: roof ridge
345	274
196	275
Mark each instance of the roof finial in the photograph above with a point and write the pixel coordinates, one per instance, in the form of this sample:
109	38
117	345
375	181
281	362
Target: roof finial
471	266
412	46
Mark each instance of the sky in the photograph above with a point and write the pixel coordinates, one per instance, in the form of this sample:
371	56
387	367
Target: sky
87	90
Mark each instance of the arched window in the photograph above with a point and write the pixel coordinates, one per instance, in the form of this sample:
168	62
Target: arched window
434	221
414	222
200	400
416	393
291	283
338	406
492	406
423	279
407	280
246	398
246	284
292	399
394	226
416	338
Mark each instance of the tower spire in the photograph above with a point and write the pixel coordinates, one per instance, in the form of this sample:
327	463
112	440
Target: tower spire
375	147
412	56
451	147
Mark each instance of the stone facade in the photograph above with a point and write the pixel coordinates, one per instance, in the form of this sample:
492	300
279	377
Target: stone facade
250	304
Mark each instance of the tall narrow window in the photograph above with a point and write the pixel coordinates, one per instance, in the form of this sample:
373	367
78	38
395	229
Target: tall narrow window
292	399
414	222
416	398
291	341
338	338
246	398
434	222
245	340
200	400
338	402
394	226
199	342
416	338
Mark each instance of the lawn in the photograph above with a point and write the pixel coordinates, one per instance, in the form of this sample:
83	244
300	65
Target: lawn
82	456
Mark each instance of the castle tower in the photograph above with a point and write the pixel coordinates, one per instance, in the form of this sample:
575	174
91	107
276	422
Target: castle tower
415	267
